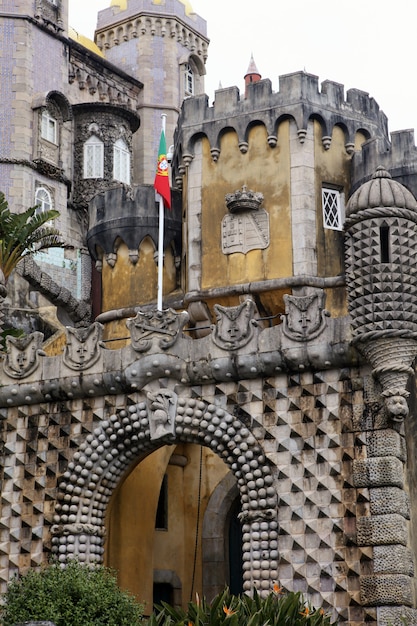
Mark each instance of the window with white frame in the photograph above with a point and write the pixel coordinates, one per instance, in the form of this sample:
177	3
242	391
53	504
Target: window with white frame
333	208
93	158
49	127
188	80
121	162
43	200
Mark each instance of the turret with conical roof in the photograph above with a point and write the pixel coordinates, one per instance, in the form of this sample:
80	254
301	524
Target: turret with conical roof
252	74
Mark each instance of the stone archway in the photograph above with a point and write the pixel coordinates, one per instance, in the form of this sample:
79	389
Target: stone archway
107	453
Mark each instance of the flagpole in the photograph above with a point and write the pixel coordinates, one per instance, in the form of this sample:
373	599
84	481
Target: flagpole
161	237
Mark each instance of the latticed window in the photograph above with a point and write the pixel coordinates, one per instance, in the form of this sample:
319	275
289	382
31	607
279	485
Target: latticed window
333	208
93	158
189	79
43	200
121	162
48	127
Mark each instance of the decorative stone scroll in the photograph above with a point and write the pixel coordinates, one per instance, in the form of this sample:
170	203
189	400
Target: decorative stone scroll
305	316
246	227
22	356
166	325
235	325
83	346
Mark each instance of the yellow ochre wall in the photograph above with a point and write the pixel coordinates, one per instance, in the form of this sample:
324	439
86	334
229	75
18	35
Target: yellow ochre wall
263	169
332	168
127	284
133	547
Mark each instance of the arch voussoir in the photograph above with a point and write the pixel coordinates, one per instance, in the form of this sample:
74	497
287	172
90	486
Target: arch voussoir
128	433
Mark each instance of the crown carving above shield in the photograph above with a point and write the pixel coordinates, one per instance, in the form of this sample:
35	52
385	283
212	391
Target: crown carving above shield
244	200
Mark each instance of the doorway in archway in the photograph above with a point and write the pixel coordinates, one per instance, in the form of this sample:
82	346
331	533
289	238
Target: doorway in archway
155	524
235	550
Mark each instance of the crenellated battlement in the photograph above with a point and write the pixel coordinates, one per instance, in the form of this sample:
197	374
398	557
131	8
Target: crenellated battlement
142	18
299	97
399	157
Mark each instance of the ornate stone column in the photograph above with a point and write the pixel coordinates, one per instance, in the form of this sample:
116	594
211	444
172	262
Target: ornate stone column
381	278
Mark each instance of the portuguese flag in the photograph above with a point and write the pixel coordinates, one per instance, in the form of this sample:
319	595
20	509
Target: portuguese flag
161	182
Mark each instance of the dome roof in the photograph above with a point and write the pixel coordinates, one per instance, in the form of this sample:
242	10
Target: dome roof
122	4
381	191
84	41
188	8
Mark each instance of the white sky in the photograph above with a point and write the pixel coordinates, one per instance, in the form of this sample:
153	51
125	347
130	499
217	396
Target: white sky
365	44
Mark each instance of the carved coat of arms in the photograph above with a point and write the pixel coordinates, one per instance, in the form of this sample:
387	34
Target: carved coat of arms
164	325
22	356
305	316
235	325
243	232
83	346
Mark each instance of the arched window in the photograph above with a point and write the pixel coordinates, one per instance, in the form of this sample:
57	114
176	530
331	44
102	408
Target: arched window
49	127
121	162
43	200
188	80
93	158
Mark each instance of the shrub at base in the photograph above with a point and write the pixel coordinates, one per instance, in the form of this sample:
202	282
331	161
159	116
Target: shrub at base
277	609
77	595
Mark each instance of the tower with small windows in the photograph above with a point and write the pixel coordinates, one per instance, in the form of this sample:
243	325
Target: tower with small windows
67	125
165	46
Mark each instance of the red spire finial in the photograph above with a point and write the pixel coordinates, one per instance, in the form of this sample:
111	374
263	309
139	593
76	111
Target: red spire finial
252	75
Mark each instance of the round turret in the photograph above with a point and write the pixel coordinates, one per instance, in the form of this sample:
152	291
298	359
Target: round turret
381	242
381	191
381	280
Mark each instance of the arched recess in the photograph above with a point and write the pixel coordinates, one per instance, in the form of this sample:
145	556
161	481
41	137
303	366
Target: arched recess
113	447
216	522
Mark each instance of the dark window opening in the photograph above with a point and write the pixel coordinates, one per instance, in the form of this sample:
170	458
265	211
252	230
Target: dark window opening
163	592
161	520
235	552
384	241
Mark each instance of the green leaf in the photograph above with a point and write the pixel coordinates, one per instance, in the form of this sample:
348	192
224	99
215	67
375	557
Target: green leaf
24	234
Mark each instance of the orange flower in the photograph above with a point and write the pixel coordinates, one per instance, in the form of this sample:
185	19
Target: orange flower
277	589
322	612
229	612
306	612
190	624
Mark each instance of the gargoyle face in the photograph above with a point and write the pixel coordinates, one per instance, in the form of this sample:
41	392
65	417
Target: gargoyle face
397	407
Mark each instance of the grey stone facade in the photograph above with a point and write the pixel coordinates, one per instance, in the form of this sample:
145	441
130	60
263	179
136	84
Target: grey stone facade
313	412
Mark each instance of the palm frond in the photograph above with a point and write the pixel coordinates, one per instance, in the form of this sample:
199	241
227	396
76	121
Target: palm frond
24	234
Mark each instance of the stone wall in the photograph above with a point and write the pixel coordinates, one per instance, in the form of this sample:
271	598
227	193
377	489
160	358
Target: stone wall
318	462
